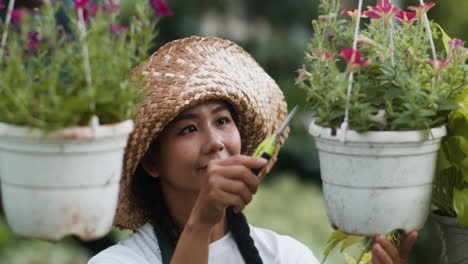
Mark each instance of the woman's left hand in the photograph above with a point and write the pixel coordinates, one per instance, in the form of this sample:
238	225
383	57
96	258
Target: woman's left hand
384	252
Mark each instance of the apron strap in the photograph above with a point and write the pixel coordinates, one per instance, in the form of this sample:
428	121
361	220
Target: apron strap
165	245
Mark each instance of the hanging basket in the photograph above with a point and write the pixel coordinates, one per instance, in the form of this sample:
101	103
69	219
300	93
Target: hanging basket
377	182
454	239
63	183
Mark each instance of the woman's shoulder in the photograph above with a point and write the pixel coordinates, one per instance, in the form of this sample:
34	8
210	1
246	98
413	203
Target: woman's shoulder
140	247
282	247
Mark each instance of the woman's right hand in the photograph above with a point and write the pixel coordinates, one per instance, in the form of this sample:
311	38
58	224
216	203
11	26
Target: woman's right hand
227	182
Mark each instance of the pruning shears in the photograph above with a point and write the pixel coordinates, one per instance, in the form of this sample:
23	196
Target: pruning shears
267	147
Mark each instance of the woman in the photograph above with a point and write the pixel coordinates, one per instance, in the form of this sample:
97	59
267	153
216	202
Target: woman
187	169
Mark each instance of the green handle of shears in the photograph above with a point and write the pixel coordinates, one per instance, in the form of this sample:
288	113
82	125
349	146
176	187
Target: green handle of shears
266	149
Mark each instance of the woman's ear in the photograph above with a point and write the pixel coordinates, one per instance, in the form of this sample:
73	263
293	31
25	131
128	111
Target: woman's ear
148	162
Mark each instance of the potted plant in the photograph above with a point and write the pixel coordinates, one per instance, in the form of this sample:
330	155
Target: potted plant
381	97
450	189
67	98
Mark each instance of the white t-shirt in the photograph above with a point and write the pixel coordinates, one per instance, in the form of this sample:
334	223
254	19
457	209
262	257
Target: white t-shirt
142	248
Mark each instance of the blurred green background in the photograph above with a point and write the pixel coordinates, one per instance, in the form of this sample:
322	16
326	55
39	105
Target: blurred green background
290	201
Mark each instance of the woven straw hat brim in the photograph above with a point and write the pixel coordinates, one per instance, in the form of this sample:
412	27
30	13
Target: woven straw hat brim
184	73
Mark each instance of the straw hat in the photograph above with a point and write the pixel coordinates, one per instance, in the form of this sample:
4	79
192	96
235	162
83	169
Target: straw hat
184	73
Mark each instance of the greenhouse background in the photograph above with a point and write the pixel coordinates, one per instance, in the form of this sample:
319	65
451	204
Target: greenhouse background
289	201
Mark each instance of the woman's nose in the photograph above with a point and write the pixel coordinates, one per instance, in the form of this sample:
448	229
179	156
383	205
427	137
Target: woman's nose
214	142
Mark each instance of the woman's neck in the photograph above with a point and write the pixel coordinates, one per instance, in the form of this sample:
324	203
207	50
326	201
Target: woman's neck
180	204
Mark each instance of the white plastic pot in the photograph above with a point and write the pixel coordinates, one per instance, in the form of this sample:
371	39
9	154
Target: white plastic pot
63	183
377	182
454	240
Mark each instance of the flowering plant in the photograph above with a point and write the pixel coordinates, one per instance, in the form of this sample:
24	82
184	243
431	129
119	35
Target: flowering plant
398	81
60	65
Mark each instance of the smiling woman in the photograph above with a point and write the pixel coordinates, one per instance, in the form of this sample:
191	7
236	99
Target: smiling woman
188	166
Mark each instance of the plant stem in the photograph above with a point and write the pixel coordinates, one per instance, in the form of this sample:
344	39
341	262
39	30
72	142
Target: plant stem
85	52
11	4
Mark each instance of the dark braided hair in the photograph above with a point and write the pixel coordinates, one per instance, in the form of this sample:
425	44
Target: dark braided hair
240	230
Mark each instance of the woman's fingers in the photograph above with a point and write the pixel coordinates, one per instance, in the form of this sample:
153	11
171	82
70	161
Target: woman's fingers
380	256
237	188
235	172
247	161
388	247
384	252
407	244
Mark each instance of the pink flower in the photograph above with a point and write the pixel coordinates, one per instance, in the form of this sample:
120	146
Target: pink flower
421	9
456	48
408	18
302	75
455	43
353	57
1	4
113	6
83	4
438	65
33	41
322	55
161	7
384	9
17	14
353	13
116	28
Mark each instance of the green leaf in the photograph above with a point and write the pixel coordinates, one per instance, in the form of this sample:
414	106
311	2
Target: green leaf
333	240
336	235
460	202
351	240
445	37
349	259
458	149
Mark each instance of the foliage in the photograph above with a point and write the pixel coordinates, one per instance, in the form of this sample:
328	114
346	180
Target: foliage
450	187
396	87
60	68
347	241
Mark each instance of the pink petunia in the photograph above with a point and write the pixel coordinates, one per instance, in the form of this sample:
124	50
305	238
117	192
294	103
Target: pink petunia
17	14
421	9
384	9
456	48
455	43
116	28
33	41
353	13
354	59
302	75
438	65
113	7
408	18
83	4
161	7
1	4
323	55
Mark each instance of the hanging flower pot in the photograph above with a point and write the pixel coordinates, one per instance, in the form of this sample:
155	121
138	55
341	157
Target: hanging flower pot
63	67
380	96
377	182
66	183
454	239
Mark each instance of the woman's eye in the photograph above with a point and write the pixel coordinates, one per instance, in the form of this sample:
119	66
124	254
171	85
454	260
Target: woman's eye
188	129
223	120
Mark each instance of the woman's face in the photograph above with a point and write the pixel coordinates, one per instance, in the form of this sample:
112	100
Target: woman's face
202	133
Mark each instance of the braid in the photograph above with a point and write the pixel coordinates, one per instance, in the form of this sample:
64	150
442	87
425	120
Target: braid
151	199
237	224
